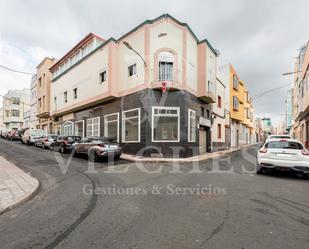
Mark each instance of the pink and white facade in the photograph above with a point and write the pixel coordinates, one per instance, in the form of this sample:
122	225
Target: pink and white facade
114	88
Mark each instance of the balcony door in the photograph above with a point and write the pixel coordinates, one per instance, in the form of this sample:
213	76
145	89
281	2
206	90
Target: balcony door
166	66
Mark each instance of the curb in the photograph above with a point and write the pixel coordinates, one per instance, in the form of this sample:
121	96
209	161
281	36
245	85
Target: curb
25	199
183	160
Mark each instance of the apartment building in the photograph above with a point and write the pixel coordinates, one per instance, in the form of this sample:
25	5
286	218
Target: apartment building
150	90
289	112
220	135
301	96
33	119
43	92
15	104
239	105
1	119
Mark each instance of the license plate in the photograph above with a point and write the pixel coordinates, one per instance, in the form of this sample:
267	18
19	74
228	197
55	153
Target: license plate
283	168
284	155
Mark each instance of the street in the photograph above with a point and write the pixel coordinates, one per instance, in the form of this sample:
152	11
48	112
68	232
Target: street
241	209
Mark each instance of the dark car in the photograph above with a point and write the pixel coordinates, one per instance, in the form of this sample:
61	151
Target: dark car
63	144
97	147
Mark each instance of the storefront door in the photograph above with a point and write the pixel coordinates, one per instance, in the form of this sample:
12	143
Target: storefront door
202	140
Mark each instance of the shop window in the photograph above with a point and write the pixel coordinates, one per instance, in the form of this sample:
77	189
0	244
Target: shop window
111	126
67	128
165	124
79	128
131	126
191	126
93	127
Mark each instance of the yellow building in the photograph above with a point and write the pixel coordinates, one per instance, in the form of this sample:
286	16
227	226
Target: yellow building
240	107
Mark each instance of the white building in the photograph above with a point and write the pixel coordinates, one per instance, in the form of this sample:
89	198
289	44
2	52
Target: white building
15	104
220	132
33	120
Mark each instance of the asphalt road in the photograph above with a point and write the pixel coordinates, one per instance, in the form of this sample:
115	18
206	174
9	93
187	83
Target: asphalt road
229	208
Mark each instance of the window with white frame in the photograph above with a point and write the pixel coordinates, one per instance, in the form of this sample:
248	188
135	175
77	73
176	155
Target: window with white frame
111	126
93	127
166	62
79	128
191	125
67	128
165	124
131	126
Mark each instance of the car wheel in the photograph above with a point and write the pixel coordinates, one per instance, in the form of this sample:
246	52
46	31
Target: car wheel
93	156
62	150
117	157
259	169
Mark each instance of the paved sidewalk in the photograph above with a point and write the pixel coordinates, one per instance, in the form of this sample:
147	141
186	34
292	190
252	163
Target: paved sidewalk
16	186
198	158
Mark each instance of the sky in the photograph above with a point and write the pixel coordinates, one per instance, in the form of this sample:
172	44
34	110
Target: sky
259	38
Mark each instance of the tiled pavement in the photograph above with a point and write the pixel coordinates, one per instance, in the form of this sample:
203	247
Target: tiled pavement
16	186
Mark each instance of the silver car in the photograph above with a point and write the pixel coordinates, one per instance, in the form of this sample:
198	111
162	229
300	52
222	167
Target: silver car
45	141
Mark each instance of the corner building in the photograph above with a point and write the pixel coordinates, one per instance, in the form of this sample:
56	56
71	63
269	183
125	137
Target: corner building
151	89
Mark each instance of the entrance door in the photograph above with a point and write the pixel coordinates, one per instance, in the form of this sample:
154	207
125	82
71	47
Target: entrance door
202	141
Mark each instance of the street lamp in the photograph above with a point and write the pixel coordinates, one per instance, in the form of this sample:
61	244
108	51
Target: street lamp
289	73
128	45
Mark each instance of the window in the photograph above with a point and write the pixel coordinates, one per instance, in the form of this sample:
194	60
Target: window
284	145
55	103
40	103
131	126
219	131
65	97
79	128
166	62
7	113
15	101
75	93
207	114
219	101
247	113
235	82
43	102
103	76
165	124
235	103
191	126
203	110
111	126
93	127
40	82
211	87
132	70
67	128
15	113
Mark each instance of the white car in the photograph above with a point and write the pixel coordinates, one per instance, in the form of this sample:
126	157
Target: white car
270	137
45	141
284	155
31	135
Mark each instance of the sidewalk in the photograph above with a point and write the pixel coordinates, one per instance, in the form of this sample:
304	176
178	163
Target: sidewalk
198	158
16	186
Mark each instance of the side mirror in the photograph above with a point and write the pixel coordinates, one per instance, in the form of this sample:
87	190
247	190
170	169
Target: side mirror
261	145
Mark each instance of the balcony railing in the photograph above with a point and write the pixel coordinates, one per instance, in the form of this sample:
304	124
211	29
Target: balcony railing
169	77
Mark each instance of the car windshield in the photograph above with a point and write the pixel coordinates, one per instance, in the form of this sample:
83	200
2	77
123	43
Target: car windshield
52	136
284	145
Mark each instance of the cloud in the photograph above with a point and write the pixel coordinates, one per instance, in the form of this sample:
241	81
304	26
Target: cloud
260	38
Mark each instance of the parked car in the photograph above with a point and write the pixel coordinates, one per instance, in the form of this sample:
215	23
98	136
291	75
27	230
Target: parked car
270	137
45	141
5	134
283	155
96	148
2	133
63	144
13	136
31	135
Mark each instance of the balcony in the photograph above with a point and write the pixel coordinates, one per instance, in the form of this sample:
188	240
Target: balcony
42	113
158	77
208	95
303	107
